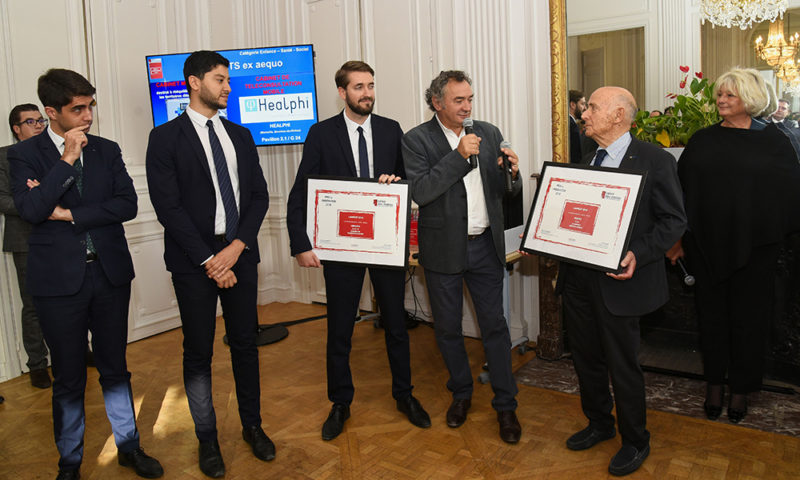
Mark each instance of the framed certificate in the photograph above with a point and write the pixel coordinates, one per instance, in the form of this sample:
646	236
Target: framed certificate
583	215
358	221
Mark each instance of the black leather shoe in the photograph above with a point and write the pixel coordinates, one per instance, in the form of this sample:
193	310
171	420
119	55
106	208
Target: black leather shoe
143	464
40	378
335	423
414	411
627	460
588	438
68	475
263	448
510	429
211	463
457	413
712	411
736	415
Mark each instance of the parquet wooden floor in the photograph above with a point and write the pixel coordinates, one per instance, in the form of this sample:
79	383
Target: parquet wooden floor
378	441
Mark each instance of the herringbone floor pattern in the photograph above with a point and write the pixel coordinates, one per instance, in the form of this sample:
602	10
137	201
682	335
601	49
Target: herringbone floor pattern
378	442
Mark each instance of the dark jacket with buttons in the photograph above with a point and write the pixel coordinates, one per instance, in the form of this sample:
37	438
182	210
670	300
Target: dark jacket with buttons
436	172
57	249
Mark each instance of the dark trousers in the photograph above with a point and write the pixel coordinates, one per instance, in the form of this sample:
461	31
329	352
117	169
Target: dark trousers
32	338
101	308
197	301
343	289
484	279
604	344
733	317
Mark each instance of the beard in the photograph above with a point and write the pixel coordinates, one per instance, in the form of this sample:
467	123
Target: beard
356	107
212	102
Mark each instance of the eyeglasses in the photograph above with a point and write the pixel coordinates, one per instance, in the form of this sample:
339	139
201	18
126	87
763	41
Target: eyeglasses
31	122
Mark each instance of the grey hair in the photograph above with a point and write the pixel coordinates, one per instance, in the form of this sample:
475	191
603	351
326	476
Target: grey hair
751	87
438	84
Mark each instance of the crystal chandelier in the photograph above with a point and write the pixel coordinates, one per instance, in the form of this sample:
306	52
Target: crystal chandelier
787	71
741	13
777	50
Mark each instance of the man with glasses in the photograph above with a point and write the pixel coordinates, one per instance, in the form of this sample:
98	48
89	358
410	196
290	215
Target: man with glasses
25	122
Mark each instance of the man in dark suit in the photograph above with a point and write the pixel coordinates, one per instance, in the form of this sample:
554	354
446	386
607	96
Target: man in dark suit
577	105
355	143
25	122
602	310
461	239
74	189
208	191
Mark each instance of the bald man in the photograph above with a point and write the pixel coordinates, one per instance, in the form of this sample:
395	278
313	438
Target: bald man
602	310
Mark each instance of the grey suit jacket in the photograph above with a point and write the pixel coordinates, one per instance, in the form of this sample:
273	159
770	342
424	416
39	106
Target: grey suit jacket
660	221
436	171
17	230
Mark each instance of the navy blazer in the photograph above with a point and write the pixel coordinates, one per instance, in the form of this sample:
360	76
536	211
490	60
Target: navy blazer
183	196
660	221
436	172
327	151
57	249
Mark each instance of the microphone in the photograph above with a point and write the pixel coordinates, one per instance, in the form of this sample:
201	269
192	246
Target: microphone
473	159
688	279
506	165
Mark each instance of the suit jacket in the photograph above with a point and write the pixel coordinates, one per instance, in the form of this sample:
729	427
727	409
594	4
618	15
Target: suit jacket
659	223
327	151
575	155
183	196
17	230
57	249
436	173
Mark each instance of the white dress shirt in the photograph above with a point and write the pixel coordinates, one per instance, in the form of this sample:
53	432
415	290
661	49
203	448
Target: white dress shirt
199	122
477	214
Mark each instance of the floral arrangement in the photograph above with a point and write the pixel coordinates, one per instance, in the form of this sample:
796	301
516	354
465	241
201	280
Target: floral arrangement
692	111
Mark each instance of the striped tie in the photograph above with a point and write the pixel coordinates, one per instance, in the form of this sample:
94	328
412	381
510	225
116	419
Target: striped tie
225	187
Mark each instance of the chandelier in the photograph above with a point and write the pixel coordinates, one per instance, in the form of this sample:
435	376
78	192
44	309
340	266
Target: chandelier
787	71
777	50
741	13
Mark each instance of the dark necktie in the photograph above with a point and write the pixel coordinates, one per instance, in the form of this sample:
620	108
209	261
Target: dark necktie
599	157
79	182
225	187
363	158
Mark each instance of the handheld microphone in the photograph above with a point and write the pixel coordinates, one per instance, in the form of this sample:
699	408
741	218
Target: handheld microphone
688	279
473	159
506	165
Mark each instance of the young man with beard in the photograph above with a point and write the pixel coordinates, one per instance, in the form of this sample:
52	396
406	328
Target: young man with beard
355	143
208	191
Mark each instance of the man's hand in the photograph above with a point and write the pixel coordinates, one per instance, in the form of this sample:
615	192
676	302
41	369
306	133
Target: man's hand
512	159
226	280
469	145
385	178
675	252
74	141
629	266
224	260
308	259
62	214
32	183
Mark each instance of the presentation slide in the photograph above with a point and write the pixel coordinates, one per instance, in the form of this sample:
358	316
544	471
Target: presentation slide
273	91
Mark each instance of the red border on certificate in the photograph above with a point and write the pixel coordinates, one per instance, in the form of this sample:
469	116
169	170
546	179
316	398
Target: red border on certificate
580	182
315	243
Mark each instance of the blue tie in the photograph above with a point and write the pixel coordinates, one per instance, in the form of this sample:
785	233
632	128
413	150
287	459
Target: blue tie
599	157
363	158
225	187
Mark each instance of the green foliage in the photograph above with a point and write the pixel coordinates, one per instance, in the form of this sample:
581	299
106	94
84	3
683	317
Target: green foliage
691	112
